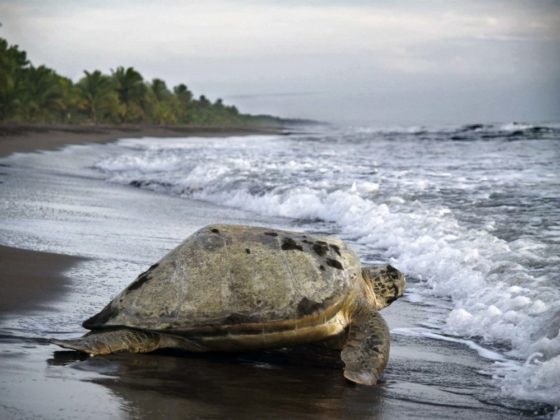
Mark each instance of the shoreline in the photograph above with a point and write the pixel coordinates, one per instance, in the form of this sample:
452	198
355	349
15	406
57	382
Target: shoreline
32	279
21	138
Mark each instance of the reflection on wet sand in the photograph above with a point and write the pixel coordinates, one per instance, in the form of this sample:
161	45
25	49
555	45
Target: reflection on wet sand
38	381
296	383
267	384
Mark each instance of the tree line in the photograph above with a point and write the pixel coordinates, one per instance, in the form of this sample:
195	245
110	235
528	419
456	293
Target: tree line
37	94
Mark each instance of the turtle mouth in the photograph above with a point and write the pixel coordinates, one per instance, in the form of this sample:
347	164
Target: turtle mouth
391	299
395	295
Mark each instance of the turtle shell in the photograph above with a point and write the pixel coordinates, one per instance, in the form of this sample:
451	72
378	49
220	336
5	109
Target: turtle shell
232	275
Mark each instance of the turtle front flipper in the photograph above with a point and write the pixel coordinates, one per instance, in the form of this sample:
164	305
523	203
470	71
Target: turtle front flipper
134	341
366	352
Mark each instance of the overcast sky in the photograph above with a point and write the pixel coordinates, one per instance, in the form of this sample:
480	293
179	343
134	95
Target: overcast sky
384	62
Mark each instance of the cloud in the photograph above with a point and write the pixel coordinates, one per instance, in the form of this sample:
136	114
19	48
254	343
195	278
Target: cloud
233	48
236	29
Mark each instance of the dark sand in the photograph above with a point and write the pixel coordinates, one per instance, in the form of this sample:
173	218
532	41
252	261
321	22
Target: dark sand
30	279
28	138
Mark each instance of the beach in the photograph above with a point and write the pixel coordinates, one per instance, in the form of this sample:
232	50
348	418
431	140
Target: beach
87	233
22	138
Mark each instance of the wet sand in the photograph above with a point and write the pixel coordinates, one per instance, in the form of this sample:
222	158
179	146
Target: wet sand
29	279
28	138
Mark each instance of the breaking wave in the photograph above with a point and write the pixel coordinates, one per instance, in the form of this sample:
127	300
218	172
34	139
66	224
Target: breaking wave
477	131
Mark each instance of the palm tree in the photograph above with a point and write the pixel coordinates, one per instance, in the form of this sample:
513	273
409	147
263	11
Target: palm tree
203	102
43	94
97	95
161	104
184	103
12	63
159	88
131	90
183	94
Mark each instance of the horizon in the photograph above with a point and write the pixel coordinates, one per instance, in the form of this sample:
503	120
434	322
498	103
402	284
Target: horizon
345	62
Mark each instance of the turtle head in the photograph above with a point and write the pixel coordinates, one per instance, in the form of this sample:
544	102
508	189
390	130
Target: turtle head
387	283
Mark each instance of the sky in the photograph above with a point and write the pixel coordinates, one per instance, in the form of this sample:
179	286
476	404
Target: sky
357	62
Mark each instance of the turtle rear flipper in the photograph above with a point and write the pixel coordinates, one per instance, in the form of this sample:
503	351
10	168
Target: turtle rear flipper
135	341
366	352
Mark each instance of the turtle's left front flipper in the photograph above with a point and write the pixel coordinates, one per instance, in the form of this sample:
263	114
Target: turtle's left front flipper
366	351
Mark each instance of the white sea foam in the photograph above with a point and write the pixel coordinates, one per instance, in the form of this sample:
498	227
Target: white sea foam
515	126
423	332
386	198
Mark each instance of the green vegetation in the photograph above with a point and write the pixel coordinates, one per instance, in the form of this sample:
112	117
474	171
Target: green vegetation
30	94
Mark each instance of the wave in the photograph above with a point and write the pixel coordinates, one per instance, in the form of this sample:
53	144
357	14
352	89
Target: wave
470	132
498	299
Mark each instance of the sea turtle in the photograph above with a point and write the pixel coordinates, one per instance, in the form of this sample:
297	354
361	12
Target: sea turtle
235	288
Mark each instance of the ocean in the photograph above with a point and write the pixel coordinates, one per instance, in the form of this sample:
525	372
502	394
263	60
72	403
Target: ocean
469	213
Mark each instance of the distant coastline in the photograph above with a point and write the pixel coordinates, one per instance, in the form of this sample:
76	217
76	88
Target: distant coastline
38	96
